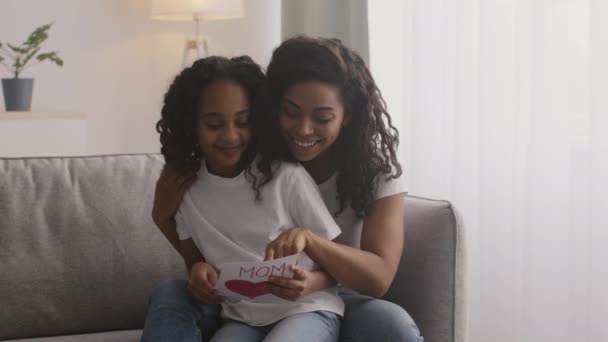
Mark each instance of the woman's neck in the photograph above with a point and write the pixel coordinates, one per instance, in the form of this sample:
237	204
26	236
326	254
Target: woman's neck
321	168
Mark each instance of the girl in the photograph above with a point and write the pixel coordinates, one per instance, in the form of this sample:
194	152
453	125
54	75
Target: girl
331	117
214	112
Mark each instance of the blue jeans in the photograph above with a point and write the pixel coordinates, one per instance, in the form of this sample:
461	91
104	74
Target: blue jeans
371	319
173	316
318	326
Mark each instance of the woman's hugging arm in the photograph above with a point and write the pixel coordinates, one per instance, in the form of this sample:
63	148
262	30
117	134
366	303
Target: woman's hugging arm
168	228
369	270
169	191
190	253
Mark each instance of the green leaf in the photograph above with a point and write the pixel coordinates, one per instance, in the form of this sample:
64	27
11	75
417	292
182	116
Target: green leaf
58	61
17	49
50	56
38	36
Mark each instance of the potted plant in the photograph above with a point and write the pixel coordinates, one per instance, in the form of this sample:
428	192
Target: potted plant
18	91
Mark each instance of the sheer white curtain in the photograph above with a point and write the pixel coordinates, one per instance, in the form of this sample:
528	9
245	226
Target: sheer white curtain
502	107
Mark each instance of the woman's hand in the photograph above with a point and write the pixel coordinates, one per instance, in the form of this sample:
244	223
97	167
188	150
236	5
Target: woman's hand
302	283
170	188
291	241
202	284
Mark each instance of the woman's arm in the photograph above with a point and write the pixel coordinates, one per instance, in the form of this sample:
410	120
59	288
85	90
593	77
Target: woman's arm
190	253
168	228
169	192
369	270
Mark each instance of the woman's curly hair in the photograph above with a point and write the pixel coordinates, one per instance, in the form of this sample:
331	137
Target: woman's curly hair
367	145
178	123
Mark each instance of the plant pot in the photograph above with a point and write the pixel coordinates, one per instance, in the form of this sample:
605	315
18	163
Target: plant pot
17	93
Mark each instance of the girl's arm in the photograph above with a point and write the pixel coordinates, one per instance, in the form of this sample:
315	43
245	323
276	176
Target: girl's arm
202	277
369	270
302	283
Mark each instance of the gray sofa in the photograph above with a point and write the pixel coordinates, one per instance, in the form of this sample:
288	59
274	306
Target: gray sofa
79	254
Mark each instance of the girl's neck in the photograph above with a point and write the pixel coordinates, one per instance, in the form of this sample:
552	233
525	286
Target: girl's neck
230	172
321	168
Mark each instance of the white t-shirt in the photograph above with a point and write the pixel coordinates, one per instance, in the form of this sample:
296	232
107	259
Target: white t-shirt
227	225
349	223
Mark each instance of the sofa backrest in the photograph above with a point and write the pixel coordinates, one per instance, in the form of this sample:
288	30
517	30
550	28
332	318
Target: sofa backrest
78	250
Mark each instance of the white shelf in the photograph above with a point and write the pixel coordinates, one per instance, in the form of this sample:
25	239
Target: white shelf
39	134
40	116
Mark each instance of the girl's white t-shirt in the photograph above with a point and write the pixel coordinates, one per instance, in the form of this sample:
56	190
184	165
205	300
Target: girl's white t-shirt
349	223
227	225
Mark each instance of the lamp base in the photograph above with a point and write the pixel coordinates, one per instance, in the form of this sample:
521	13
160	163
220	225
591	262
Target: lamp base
193	51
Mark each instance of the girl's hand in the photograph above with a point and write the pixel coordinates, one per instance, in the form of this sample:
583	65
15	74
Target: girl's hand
202	284
291	241
303	283
170	188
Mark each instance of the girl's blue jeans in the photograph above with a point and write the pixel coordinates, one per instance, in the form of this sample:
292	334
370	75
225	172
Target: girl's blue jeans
318	326
173	316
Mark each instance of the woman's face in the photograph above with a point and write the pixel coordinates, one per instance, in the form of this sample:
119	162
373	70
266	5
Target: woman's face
311	117
223	126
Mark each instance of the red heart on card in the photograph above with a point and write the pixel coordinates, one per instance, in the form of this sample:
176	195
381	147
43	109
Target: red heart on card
247	288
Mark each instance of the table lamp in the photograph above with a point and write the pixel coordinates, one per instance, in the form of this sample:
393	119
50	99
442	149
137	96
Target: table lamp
196	10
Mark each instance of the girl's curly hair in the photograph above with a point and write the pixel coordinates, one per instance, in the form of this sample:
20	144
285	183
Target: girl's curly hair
367	145
178	123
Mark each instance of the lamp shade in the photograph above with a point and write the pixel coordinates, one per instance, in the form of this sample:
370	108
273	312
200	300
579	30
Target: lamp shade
196	9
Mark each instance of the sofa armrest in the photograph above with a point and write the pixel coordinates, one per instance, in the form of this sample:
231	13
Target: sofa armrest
431	281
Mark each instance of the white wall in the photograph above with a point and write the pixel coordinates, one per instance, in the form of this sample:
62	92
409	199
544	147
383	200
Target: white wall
119	62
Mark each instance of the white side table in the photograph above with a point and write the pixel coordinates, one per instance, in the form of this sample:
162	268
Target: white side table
37	134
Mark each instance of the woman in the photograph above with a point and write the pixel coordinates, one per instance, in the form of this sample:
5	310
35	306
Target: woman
331	118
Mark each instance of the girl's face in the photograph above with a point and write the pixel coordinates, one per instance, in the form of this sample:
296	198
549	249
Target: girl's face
223	126
311	118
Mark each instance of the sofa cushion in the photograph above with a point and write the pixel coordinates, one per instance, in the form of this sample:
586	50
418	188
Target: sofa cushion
78	250
114	336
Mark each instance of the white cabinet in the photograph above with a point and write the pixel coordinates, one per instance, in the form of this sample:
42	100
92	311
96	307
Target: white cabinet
36	134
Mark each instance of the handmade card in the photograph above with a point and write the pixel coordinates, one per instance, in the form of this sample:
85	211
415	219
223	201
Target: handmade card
247	280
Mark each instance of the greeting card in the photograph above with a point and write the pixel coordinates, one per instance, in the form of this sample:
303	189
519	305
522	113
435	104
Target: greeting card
247	280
